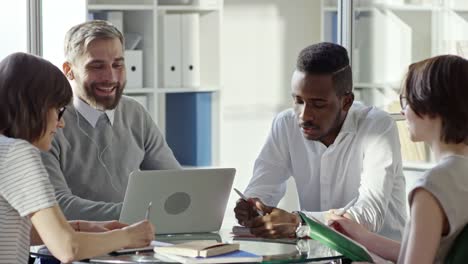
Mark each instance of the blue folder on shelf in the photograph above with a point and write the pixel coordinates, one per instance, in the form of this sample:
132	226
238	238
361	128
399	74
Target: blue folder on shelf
188	127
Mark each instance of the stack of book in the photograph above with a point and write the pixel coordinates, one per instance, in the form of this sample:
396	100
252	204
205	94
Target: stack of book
206	251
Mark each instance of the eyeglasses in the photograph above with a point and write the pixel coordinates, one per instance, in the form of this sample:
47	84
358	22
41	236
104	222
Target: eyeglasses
60	112
403	102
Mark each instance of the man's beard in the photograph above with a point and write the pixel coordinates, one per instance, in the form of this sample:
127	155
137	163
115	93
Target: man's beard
103	102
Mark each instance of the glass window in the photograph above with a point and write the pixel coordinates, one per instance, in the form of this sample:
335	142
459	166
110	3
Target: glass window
13	27
389	36
56	22
330	21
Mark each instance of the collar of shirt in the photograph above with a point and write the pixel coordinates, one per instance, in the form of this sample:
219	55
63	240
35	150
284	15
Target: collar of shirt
91	114
350	123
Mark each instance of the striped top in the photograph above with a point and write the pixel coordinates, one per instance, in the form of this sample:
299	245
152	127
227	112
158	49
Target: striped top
24	189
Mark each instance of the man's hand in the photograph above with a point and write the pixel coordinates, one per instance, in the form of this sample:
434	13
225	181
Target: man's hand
245	211
276	223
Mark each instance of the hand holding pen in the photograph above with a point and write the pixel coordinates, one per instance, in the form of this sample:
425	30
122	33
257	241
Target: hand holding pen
334	214
344	225
259	212
246	210
342	211
140	234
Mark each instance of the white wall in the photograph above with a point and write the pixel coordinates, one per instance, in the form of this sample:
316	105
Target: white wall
261	40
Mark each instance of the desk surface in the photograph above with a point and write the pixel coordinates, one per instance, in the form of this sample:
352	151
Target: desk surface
273	251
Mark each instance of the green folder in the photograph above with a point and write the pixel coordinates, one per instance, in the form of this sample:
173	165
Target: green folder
333	239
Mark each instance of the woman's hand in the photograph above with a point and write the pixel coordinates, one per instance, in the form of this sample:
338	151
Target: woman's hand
139	234
347	227
96	226
380	248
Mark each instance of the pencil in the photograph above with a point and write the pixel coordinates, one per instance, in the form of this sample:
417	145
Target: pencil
148	210
341	212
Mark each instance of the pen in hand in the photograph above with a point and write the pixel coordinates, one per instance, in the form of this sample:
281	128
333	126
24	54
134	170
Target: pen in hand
342	211
259	212
148	210
135	251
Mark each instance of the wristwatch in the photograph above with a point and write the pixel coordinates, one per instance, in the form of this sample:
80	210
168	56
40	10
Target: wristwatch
302	229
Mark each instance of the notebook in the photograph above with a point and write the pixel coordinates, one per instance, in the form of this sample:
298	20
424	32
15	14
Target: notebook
240	233
149	248
183	201
200	248
238	256
337	241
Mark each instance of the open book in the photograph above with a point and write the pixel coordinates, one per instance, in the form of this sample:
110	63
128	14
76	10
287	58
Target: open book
335	240
241	231
200	248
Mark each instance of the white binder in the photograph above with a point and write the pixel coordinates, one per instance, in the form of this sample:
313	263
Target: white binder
190	50
205	3
172	50
134	67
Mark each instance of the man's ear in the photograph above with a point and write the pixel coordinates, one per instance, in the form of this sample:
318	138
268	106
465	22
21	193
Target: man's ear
348	100
67	70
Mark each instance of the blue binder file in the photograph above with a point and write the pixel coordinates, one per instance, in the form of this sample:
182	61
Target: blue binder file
330	26
335	27
188	127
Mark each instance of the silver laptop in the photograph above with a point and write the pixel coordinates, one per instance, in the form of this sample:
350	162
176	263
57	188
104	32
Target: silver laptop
183	201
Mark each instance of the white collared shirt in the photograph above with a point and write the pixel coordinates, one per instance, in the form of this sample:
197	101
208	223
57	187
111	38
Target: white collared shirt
364	162
91	114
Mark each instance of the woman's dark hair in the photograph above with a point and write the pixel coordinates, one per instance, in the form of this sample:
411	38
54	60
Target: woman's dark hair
439	87
29	87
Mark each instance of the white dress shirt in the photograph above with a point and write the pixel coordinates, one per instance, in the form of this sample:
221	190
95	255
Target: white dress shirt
364	161
90	113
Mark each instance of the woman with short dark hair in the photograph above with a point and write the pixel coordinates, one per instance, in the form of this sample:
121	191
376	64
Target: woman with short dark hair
434	104
33	97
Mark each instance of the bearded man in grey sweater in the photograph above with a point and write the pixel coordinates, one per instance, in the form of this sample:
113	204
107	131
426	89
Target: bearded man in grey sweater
107	135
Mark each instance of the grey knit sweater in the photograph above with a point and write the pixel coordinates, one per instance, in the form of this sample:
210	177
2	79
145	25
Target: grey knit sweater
89	167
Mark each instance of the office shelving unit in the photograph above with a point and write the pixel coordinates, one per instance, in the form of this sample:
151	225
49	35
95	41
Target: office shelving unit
145	17
388	35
